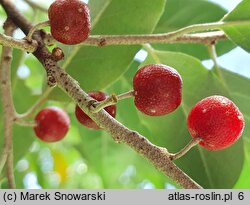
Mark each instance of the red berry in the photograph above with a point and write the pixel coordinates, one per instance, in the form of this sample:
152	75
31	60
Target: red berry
85	119
217	121
52	124
69	21
157	89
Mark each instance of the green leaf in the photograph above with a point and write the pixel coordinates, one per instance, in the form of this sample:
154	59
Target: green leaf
22	140
96	8
18	57
96	68
239	34
101	153
37	74
244	180
22	104
57	94
239	92
206	167
181	13
19	87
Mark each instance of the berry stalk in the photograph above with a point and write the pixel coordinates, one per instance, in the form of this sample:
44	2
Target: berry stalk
126	95
111	100
36	27
184	150
97	106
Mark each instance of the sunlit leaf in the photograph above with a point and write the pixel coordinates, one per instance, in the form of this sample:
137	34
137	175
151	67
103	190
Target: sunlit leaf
239	34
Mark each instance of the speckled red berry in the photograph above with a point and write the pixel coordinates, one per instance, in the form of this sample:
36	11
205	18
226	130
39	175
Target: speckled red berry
158	89
85	119
217	121
52	124
69	21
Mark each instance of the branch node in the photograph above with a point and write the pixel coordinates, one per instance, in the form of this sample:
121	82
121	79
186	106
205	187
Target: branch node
31	42
58	54
51	81
47	38
102	42
97	106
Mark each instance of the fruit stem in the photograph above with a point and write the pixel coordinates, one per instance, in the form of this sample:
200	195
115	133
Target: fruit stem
126	95
111	100
98	106
36	27
184	150
25	123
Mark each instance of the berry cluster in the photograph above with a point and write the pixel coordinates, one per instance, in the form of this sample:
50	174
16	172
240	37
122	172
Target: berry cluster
215	121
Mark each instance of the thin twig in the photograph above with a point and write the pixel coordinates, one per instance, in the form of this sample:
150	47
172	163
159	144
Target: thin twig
10	168
8	106
25	123
105	40
213	55
166	37
19	44
216	68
